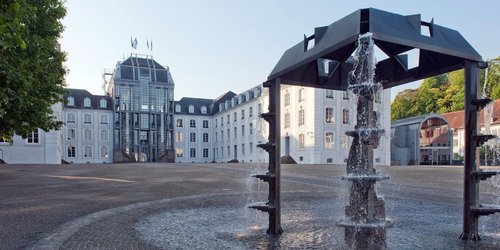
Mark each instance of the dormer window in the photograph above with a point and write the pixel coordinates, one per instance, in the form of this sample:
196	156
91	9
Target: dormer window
86	102
103	103
203	109
221	106
191	109
71	101
177	108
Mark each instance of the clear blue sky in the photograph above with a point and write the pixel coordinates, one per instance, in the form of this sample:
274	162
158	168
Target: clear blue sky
215	46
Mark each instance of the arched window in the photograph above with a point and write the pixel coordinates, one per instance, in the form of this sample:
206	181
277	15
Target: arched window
104	152
71	101
87	118
191	109
87	152
177	108
345	116
103	103
203	109
179	123
86	102
71	151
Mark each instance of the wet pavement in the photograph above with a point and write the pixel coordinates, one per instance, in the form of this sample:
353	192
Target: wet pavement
172	206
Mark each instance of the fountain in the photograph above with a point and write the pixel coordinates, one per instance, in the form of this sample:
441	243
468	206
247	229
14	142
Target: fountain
365	226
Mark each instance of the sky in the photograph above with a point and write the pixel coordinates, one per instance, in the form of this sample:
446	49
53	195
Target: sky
216	46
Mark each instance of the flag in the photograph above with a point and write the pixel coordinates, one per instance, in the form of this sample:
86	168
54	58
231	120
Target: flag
151	44
131	42
135	43
147	43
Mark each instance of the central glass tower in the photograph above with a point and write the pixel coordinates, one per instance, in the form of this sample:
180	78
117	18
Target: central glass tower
143	95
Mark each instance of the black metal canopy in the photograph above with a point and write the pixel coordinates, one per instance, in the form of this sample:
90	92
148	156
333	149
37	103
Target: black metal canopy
323	59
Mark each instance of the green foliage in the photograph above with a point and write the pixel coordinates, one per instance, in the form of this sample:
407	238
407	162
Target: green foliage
403	105
31	69
442	94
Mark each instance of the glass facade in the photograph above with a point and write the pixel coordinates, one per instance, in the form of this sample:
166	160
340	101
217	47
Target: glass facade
143	95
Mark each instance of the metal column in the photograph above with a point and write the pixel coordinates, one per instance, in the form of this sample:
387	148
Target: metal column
273	147
473	140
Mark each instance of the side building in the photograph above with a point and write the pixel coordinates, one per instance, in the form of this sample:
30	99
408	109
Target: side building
41	147
313	125
87	134
143	97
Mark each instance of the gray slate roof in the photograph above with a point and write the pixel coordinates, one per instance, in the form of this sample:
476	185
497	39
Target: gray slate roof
80	94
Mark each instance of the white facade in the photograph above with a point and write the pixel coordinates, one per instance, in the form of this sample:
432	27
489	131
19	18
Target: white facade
313	126
88	132
39	148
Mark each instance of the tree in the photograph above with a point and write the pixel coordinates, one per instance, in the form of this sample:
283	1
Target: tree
31	69
403	105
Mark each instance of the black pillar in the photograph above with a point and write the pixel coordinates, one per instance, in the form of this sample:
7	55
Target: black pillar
471	187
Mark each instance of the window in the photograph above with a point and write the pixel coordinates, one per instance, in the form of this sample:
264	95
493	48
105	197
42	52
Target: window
203	109
250	128
179	137
222	121
104	135
329	93
192	137
215	122
228	118
71	152
103	103
301	94
287	99
192	123
86	102
87	119
228	151
250	147
179	123
222	135
205	137
70	118
228	134
328	140
301	117
87	152
242	130
222	151
259	108
71	134
103	119
191	109
33	137
377	97
235	132
287	120
345	95
301	141
250	111
235	116
243	149
344	140
104	152
87	134
179	152
205	123
192	152
242	114
177	108
329	115
345	116
216	135
205	153
71	102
